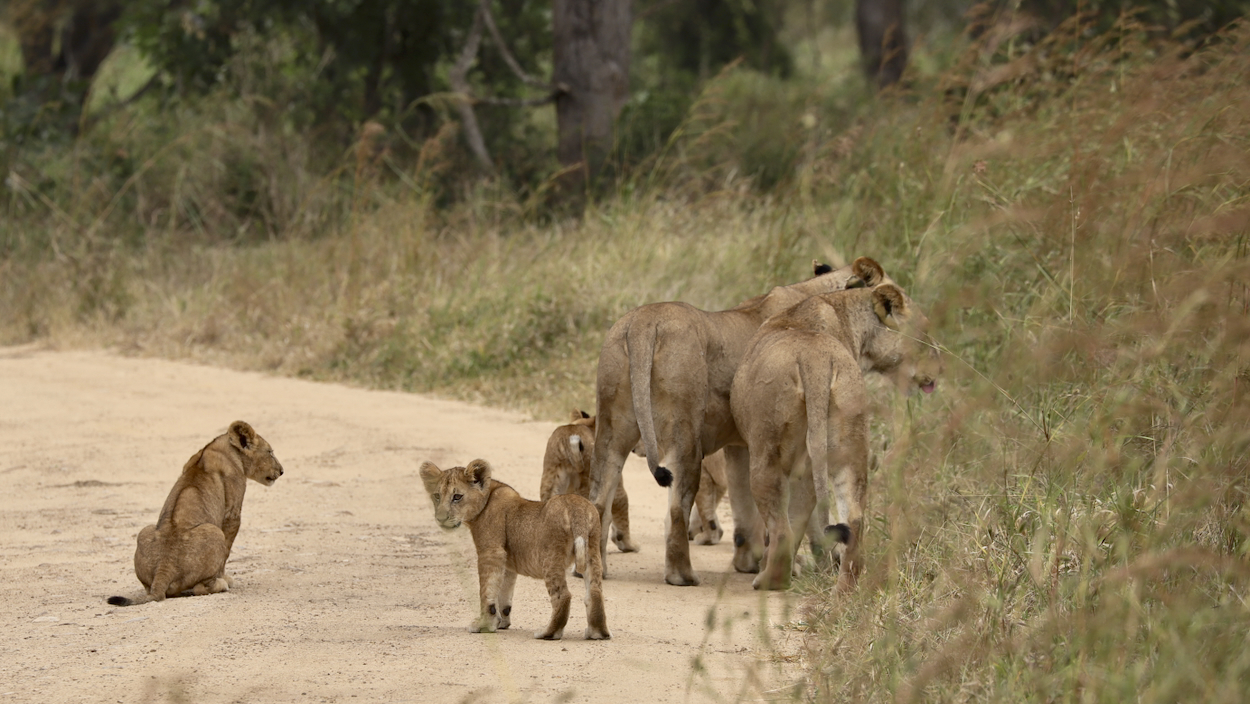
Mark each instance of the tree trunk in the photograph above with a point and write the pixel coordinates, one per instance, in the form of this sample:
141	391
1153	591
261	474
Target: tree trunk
591	64
882	41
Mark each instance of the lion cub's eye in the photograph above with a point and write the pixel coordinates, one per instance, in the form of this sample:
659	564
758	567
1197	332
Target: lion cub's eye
435	497
456	498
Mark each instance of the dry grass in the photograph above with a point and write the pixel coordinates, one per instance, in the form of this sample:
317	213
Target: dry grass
1065	521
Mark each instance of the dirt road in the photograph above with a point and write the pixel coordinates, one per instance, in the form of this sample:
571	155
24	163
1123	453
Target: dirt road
346	588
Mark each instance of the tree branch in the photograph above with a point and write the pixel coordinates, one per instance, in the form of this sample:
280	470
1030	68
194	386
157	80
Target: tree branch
464	103
511	61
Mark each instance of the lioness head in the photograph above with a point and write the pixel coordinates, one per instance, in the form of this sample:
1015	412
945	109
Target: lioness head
907	355
459	494
259	462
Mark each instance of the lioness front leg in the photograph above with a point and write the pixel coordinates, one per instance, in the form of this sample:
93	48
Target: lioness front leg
491	572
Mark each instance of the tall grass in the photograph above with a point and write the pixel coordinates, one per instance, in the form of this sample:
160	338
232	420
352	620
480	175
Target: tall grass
1065	520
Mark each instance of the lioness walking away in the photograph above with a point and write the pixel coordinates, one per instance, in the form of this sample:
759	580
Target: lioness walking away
188	547
801	404
515	536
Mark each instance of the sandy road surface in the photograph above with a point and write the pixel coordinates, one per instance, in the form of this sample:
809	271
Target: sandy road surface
346	588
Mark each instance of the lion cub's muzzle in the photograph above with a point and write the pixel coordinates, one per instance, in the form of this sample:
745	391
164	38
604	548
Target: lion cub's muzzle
273	474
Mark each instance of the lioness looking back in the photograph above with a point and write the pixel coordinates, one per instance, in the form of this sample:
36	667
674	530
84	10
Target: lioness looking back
801	403
515	536
188	547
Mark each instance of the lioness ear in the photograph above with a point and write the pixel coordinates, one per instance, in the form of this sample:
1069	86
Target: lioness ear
888	301
431	476
478	472
819	268
868	271
241	435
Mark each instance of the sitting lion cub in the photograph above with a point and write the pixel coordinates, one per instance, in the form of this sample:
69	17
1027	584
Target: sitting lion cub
517	536
188	546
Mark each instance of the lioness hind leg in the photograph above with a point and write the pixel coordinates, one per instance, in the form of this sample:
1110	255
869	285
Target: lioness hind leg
772	489
802	504
677	568
558	590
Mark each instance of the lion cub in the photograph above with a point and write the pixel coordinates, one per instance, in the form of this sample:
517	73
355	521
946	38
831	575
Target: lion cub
188	547
566	470
515	536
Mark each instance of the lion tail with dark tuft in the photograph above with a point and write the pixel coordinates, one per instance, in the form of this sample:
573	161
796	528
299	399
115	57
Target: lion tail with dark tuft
663	475
126	601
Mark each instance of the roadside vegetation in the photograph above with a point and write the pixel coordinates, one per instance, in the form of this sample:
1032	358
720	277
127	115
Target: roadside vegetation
1065	520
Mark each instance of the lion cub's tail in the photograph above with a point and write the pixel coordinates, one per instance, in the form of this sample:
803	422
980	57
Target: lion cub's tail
126	601
579	554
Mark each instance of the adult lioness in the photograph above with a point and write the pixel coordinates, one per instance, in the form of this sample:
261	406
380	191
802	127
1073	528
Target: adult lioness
515	536
800	402
188	547
566	470
664	376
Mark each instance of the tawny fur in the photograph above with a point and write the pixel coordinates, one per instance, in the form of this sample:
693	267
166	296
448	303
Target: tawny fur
566	470
188	547
514	536
705	526
800	402
665	372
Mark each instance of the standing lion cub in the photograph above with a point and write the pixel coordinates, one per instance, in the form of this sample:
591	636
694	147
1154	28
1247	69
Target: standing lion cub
515	536
188	547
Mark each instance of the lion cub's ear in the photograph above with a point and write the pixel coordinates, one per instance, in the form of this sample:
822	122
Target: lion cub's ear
888	302
578	414
868	272
819	268
241	435
431	476
478	472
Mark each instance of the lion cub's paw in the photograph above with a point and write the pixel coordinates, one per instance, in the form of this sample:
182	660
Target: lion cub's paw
483	625
549	635
595	634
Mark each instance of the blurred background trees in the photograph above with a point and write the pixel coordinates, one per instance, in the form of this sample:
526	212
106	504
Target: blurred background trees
625	77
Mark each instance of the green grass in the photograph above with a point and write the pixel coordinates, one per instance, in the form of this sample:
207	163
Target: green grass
1066	520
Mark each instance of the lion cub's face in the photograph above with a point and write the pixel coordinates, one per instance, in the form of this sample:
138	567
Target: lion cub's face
259	462
908	355
459	494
